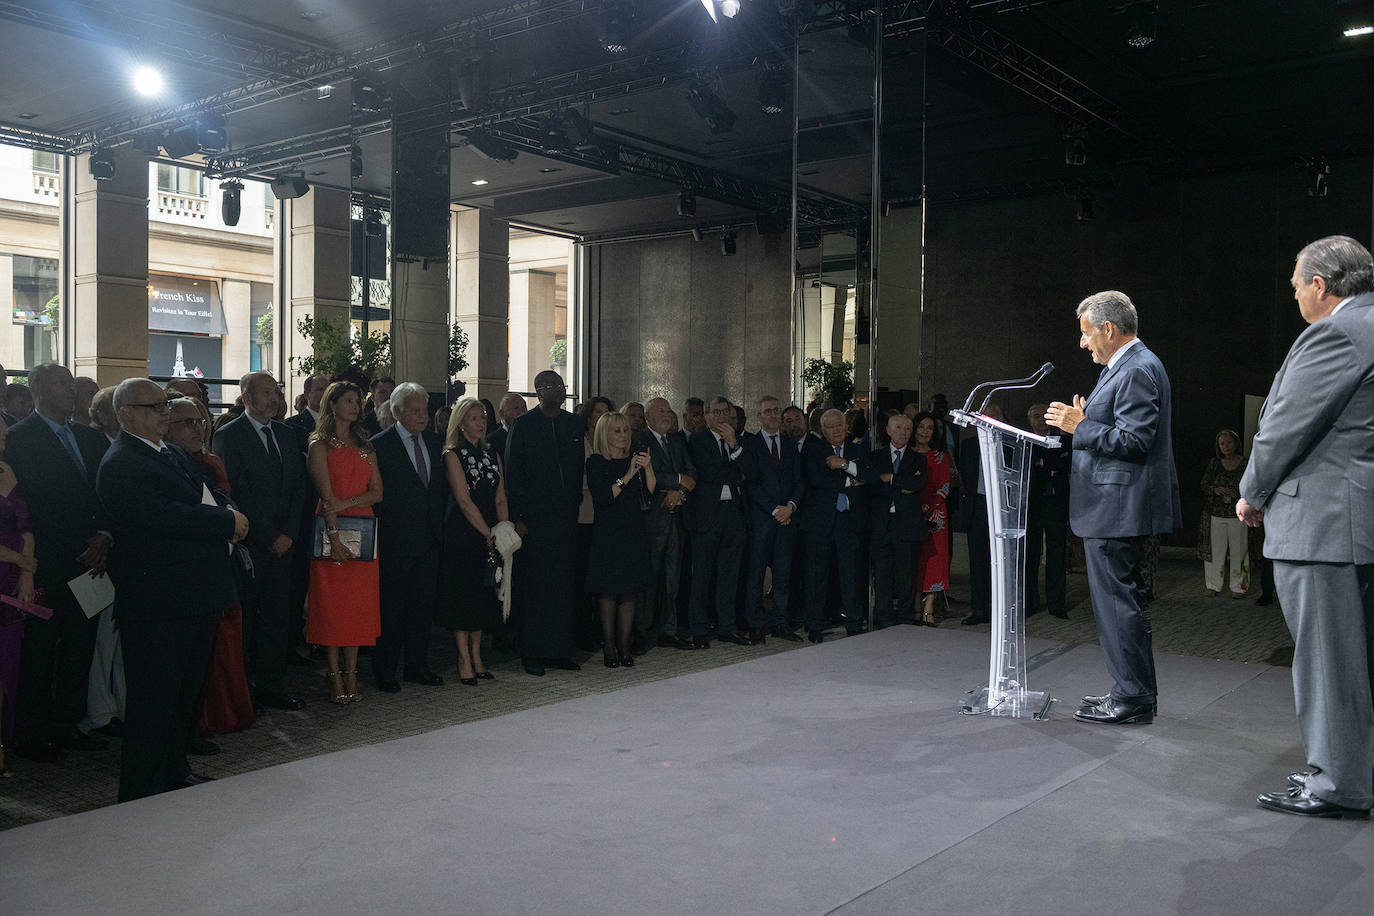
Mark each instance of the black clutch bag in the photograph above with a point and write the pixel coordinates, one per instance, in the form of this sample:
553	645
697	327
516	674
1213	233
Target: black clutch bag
493	570
357	532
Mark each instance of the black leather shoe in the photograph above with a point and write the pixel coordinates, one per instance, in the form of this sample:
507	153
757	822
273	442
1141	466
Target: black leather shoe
1265	599
202	747
112	729
388	685
734	638
77	740
674	642
195	779
1298	801
701	642
485	676
1107	698
972	620
427	678
468	681
534	666
562	664
785	633
757	638
1114	712
1299	780
815	635
280	701
40	751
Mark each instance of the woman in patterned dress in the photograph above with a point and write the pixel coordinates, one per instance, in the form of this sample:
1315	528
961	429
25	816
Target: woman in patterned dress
932	565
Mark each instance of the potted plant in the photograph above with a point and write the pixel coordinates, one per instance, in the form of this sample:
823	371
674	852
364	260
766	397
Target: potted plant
339	353
830	382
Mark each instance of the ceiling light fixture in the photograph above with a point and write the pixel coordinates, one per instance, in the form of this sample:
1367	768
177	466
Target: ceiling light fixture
148	82
231	203
1142	23
102	164
489	147
1358	31
711	108
479	181
324	92
772	90
615	28
729	8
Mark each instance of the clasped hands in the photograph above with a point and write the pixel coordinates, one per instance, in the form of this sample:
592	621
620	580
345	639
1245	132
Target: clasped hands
1065	417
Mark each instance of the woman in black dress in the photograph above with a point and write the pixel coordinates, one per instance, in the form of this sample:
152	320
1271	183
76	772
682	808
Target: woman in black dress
467	606
618	561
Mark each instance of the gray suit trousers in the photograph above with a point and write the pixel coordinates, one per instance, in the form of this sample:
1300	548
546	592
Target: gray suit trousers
1117	585
1329	608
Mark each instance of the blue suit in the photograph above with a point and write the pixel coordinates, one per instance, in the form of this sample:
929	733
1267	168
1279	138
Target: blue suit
770	544
1124	488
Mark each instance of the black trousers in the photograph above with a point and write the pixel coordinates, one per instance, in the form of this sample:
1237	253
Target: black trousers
717	554
1047	525
547	592
656	612
267	621
1116	579
770	547
979	558
894	580
842	544
300	583
408	588
54	668
166	663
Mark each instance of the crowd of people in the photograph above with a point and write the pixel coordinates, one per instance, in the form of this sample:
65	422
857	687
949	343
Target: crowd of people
240	545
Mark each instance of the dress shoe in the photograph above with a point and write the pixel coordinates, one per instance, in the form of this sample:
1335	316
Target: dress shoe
1212	593
701	642
675	642
533	667
427	678
1300	801
195	779
782	632
77	740
202	747
1114	712
112	729
40	751
757	638
562	664
610	661
972	620
734	638
280	701
468	681
1299	780
627	661
1107	698
388	685
1265	599
485	676
815	636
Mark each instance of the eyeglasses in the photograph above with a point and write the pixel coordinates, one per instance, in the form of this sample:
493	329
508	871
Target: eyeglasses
195	421
559	387
159	406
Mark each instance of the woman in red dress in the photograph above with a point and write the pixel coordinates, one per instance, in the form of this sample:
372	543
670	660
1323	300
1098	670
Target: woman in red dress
344	609
932	565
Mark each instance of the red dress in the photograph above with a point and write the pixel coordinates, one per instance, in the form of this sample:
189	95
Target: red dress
344	604
932	566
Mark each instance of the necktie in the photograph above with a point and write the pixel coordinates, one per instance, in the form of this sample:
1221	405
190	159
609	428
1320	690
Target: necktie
773	446
420	463
271	444
842	501
171	459
725	456
68	439
896	460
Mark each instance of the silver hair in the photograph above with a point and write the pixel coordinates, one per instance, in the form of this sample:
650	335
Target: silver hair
247	378
1112	306
385	414
766	398
123	393
1342	262
407	390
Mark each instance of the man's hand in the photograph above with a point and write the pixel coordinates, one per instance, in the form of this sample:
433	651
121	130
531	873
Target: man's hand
671	500
1249	514
727	432
885	478
687	482
836	462
783	514
240	526
1062	416
94	556
280	546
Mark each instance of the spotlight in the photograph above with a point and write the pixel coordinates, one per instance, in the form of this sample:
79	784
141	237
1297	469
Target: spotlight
369	94
577	128
1320	174
729	8
372	224
772	91
147	82
1358	30
1075	151
230	203
474	80
289	188
686	202
102	164
727	243
355	162
179	142
553	138
696	234
711	108
1085	207
1142	23
324	92
489	147
211	135
614	29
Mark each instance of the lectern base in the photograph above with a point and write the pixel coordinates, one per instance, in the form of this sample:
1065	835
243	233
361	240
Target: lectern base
1019	704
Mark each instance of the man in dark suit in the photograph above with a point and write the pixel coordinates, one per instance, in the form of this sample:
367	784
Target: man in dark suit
314	392
1047	518
267	475
773	497
544	467
303	424
1308	481
511	408
716	520
896	523
834	511
795	428
55	462
172	580
1124	489
656	615
411	525
973	519
379	392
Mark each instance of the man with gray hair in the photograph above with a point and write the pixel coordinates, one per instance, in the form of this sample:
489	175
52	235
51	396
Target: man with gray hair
1124	488
511	408
103	414
1310	480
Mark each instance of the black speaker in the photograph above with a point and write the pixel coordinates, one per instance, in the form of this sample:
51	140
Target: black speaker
419	188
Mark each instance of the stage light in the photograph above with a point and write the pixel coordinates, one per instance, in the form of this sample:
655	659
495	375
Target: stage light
772	91
1142	23
727	243
686	202
478	182
289	188
147	82
696	234
369	94
729	8
1075	151
355	162
211	133
614	29
1320	174
1085	207
372	224
711	108
489	147
231	204
102	165
474	80
324	92
1358	31
179	142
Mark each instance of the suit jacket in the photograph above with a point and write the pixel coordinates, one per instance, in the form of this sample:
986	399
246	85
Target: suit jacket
823	485
669	460
969	462
1123	481
1311	463
270	494
170	557
61	497
497	440
410	516
714	473
774	484
544	466
302	420
908	523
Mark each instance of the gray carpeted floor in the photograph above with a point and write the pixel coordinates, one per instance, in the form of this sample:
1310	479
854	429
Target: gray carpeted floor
838	779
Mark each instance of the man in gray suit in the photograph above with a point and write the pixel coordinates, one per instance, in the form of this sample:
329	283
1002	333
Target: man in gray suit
1123	488
1310	480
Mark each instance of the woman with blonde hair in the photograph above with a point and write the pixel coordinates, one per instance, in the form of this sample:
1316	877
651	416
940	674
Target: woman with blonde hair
467	603
618	561
345	607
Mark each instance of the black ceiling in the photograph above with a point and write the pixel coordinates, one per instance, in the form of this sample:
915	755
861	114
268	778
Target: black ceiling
1006	85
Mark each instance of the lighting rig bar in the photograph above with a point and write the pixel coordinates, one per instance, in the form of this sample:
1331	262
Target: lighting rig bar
15	135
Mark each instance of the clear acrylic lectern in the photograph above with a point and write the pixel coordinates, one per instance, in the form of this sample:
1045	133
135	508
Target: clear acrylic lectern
1006	463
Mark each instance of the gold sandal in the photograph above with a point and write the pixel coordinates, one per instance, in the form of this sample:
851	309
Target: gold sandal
355	695
336	691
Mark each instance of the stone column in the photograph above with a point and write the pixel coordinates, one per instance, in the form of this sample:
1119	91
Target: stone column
419	324
105	267
481	299
316	263
532	329
237	301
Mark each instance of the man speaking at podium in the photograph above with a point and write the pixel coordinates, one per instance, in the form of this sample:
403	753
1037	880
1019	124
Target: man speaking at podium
1123	488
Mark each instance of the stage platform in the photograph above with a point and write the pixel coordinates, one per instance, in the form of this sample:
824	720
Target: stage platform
834	780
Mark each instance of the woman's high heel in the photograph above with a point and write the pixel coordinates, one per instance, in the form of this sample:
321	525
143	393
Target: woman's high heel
610	660
354	695
485	676
627	661
336	691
